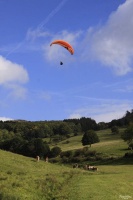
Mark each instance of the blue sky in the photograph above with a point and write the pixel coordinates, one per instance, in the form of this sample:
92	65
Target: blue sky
96	82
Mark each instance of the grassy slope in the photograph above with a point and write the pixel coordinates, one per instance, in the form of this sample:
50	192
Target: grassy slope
23	178
109	144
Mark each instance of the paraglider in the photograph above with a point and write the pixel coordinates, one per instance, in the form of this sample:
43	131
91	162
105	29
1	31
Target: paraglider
64	44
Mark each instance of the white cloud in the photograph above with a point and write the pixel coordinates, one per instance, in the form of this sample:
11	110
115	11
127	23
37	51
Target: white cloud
106	111
12	72
75	116
112	44
17	91
12	75
5	119
37	33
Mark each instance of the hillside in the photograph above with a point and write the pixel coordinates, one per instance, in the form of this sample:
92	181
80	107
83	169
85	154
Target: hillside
107	139
24	178
110	145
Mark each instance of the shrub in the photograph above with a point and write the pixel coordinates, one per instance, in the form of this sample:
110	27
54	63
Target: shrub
54	160
78	152
85	149
55	151
130	146
90	153
115	130
128	155
66	154
76	159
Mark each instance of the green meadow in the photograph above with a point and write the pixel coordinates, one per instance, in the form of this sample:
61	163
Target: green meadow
24	178
110	144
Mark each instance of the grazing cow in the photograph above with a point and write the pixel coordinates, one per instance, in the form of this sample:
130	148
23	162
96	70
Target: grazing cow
37	158
92	168
46	159
95	169
86	167
89	167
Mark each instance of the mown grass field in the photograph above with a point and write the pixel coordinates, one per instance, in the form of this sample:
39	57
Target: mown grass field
23	178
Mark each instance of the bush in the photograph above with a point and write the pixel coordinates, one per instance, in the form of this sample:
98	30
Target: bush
128	155
85	149
66	154
55	151
76	159
65	159
78	152
130	146
54	160
115	130
90	153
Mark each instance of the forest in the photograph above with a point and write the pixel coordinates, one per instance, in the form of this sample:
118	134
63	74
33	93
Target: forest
28	137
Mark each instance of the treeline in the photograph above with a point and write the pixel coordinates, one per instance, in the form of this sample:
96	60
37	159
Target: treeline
87	123
27	137
124	121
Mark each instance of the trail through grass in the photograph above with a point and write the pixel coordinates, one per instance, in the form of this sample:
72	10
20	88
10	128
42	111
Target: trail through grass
111	183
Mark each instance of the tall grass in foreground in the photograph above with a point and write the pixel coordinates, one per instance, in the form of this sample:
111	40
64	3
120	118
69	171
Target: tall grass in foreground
24	178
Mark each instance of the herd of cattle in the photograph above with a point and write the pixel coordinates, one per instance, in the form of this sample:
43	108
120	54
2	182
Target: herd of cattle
86	167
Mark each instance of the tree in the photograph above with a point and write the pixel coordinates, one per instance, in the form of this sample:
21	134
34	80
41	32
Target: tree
36	147
55	151
15	145
115	129
127	135
90	137
64	129
88	124
102	126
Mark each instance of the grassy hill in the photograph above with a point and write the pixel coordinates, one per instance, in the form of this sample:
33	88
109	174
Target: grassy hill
110	144
23	178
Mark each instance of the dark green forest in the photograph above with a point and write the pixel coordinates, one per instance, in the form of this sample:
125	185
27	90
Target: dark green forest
27	137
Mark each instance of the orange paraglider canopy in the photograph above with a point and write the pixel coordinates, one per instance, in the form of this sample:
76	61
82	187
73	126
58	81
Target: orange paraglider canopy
64	44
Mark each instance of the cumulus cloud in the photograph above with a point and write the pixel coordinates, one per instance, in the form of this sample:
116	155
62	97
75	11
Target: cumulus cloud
112	44
12	72
12	75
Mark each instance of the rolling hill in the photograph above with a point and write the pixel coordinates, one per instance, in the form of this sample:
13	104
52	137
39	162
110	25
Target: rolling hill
24	178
